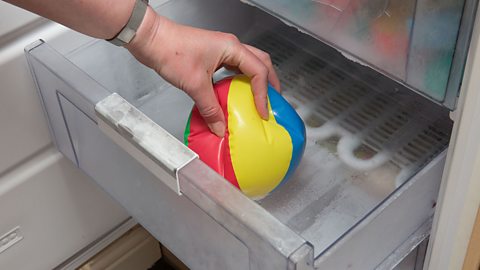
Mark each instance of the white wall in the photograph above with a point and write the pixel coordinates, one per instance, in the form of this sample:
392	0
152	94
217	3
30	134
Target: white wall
11	19
58	209
459	197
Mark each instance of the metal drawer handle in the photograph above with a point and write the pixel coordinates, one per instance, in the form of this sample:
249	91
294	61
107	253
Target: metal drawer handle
151	145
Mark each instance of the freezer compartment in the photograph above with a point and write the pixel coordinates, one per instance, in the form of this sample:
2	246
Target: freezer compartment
366	136
422	44
369	177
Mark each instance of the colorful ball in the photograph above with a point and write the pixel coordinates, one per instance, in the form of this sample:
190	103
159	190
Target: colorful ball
255	155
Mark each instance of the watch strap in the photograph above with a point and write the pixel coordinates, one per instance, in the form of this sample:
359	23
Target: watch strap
130	29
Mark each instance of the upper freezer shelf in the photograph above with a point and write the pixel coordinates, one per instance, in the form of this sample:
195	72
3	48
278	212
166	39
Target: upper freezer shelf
422	44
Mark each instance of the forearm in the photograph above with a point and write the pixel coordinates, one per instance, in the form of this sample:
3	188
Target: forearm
96	18
185	56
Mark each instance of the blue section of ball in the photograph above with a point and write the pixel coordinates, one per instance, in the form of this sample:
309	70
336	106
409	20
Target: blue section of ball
286	116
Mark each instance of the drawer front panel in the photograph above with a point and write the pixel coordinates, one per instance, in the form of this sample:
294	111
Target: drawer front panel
174	220
187	228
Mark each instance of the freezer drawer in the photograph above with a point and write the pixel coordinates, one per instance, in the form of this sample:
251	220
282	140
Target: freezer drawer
363	195
422	44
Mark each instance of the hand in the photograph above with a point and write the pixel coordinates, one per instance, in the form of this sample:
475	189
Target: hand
187	57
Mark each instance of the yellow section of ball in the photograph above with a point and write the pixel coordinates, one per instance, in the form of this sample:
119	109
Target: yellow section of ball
260	150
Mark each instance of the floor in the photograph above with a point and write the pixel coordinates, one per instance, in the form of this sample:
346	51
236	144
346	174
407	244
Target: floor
168	261
162	265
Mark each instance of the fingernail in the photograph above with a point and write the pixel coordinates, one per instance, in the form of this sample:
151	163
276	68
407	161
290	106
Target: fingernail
218	128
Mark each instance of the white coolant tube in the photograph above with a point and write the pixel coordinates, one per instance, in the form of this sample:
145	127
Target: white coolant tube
346	148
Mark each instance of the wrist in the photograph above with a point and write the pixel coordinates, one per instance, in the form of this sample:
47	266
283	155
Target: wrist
146	32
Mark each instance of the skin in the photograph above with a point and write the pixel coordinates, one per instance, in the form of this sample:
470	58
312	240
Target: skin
185	56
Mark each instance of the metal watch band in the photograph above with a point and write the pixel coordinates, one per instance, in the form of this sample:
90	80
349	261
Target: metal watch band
130	29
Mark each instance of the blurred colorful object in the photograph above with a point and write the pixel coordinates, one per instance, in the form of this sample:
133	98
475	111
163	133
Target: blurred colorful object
255	155
391	30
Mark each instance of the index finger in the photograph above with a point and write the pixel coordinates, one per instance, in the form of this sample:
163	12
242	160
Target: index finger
267	61
255	69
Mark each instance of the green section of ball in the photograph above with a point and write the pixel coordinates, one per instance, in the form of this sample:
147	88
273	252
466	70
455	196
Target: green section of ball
186	133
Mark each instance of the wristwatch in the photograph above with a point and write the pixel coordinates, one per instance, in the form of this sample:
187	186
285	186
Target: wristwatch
130	29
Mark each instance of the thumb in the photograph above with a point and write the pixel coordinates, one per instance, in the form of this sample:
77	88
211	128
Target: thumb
207	104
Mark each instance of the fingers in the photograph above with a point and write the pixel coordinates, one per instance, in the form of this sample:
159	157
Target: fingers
209	108
265	58
231	68
249	64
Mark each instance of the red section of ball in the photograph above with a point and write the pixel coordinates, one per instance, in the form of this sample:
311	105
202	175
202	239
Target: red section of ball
212	150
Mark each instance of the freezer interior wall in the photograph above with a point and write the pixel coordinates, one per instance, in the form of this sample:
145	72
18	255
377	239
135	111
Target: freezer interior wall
415	42
366	134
